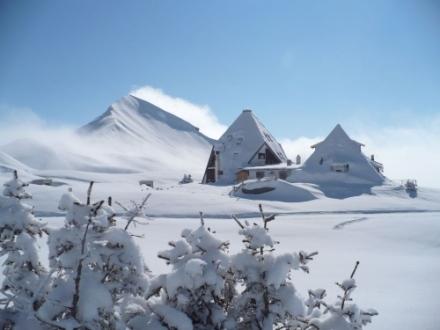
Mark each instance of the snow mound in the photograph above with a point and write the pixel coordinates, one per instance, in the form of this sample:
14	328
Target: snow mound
277	190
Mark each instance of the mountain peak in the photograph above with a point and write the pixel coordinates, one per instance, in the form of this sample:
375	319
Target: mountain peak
130	111
133	118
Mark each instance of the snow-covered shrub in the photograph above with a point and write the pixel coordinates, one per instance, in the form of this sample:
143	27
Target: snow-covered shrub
342	315
267	297
197	291
24	275
16	188
95	265
209	289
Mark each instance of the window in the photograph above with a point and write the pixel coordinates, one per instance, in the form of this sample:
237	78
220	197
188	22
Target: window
261	155
220	172
340	167
259	174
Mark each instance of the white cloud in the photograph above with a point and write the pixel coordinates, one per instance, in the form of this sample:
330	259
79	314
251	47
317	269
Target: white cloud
407	152
23	123
200	116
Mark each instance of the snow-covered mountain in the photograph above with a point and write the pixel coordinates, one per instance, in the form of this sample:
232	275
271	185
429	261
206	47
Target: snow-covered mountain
133	135
134	120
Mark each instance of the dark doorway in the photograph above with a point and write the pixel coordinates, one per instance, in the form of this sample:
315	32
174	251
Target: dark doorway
271	158
210	175
210	169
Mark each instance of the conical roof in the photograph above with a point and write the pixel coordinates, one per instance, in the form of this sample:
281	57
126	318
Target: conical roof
337	135
246	136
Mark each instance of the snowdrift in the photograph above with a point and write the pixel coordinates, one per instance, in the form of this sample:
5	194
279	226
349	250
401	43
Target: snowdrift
276	190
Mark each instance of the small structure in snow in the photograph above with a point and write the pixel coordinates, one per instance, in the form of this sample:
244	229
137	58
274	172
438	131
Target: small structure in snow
187	178
410	185
245	144
298	159
148	183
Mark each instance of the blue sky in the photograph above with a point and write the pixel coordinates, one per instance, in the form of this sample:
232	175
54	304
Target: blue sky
302	66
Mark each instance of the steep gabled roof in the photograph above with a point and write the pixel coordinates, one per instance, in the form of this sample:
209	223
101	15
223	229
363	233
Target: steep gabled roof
337	135
247	135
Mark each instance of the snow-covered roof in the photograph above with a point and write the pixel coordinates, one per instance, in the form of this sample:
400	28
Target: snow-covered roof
247	135
337	135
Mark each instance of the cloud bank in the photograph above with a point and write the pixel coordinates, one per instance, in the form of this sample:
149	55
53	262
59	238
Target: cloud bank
200	116
22	123
407	152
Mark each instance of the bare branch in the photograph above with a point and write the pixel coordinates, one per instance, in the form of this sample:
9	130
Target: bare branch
121	206
89	192
138	209
266	219
202	221
355	268
238	221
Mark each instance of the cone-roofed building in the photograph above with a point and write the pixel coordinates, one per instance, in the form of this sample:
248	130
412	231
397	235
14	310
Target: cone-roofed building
338	154
245	143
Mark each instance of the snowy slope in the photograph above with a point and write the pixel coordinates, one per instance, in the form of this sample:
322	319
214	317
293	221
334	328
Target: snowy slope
8	163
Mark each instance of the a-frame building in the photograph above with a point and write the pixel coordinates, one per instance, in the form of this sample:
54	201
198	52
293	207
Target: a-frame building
245	143
338	153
